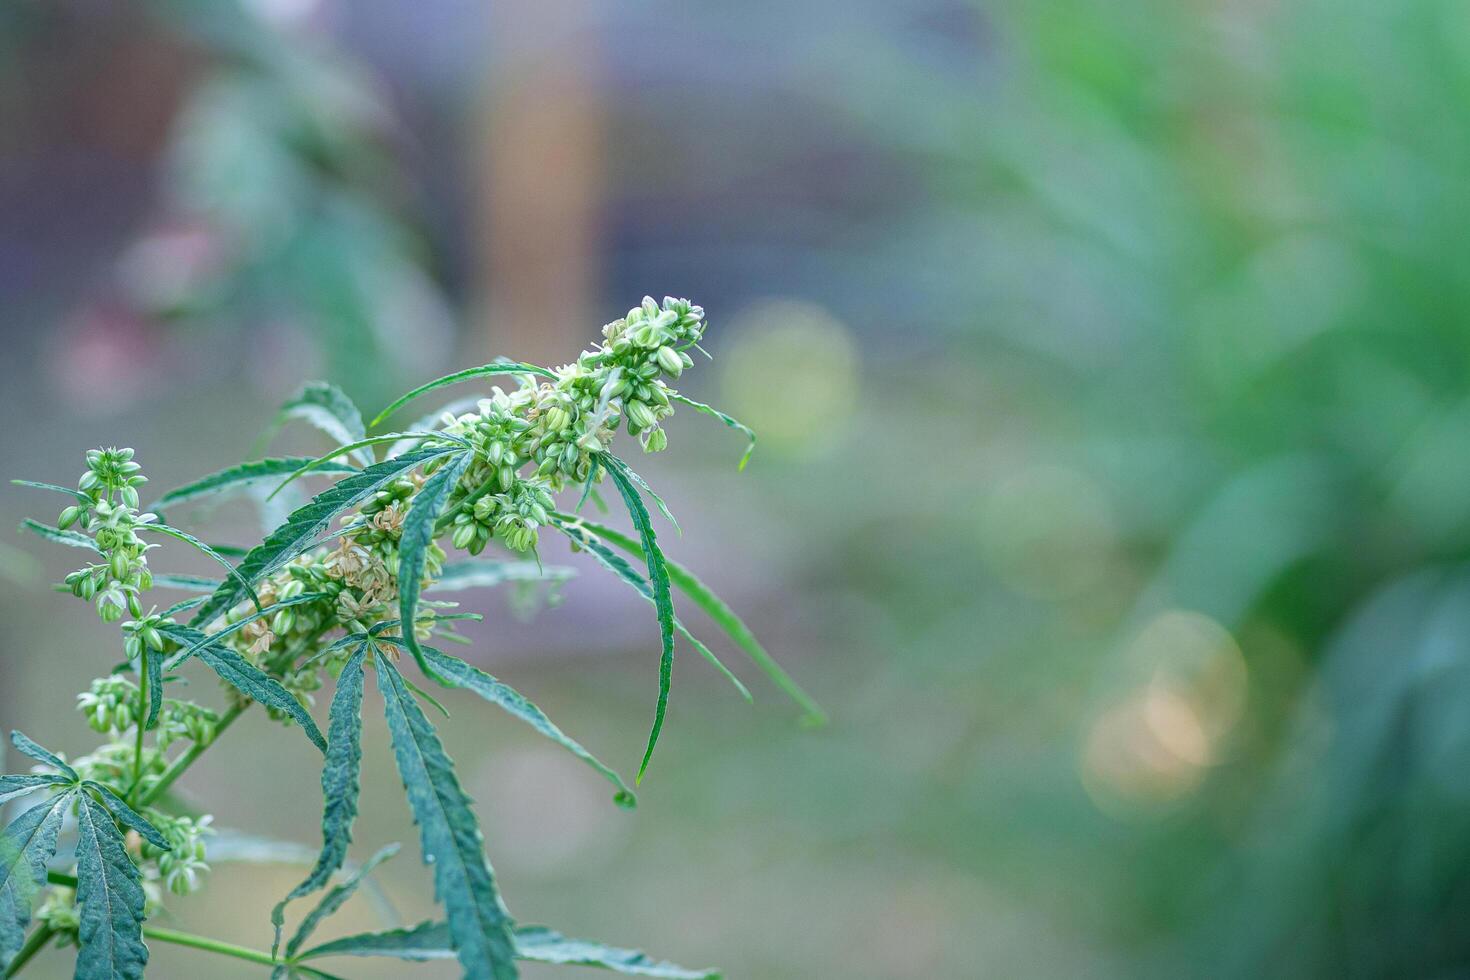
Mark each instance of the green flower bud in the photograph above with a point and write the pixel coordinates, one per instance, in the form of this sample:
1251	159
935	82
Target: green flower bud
463	535
153	638
119	564
640	415
557	419
68	517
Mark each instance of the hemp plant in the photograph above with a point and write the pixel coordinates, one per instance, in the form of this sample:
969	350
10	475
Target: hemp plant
344	588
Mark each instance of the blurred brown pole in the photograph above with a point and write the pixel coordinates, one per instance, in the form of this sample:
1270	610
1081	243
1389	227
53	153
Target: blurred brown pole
538	160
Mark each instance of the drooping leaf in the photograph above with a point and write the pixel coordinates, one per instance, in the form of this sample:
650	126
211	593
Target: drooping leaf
497	367
109	900
186	583
19	785
659	501
129	817
544	945
663	602
153	670
731	422
26	846
300	531
77	495
361	443
430	941
245	677
489	572
471	678
25	746
217	637
72	539
243	583
242	477
327	407
340	784
450	836
334	900
425	941
413	547
724	617
575	529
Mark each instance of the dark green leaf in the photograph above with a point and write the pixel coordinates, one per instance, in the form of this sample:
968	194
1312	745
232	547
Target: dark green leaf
573	528
487	572
129	817
19	785
340	784
71	539
76	495
663	602
731	422
497	367
413	546
245	677
184	605
244	584
27	747
450	836
26	846
430	941
714	607
109	900
243	476
153	669
299	532
334	900
425	941
327	407
471	678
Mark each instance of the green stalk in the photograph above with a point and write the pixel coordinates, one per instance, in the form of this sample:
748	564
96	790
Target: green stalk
32	946
183	762
209	945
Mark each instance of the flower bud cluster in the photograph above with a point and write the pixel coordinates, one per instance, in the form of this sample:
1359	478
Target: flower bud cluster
107	508
557	426
181	865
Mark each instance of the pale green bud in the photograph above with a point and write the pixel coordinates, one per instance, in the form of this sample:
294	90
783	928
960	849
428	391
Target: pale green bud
670	361
656	442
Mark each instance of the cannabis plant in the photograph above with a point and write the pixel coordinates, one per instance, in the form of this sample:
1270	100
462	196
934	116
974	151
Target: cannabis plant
346	587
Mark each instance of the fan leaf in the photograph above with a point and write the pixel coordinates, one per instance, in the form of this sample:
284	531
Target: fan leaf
109	900
307	522
26	846
583	538
471	678
335	899
413	547
724	617
26	746
658	579
245	677
340	784
479	924
430	941
129	817
20	785
245	584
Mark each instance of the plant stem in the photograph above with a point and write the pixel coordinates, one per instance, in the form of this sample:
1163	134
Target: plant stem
142	717
32	946
183	762
209	945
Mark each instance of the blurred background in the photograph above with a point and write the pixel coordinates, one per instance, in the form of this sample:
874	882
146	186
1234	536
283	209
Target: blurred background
1111	363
